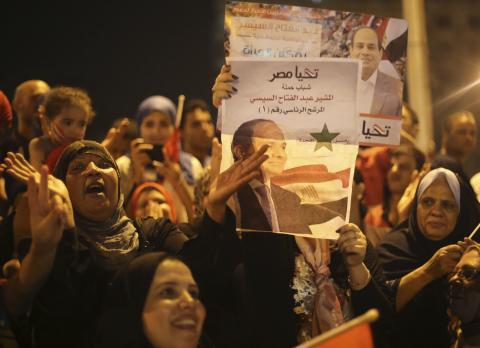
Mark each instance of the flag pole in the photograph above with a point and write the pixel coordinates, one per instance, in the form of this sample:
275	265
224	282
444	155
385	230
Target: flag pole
474	231
178	119
368	317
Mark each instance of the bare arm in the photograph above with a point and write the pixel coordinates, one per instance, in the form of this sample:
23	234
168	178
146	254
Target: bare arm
410	285
113	140
441	263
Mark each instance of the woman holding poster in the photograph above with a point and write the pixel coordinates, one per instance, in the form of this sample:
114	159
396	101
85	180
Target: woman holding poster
294	287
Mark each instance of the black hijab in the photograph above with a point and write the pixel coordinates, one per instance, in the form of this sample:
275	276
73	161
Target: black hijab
406	248
112	242
121	324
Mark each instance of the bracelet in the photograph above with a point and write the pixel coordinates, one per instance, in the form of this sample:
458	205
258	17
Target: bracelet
359	285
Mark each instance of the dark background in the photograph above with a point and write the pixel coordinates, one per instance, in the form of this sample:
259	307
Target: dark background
120	52
124	51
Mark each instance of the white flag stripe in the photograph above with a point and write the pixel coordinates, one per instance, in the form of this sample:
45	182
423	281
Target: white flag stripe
318	193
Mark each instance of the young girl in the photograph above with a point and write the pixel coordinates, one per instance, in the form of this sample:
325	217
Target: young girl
66	112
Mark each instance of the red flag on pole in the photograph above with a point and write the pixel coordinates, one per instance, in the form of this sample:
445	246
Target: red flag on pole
353	334
172	145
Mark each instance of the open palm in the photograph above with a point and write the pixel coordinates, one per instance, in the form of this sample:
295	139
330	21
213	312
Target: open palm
240	173
17	166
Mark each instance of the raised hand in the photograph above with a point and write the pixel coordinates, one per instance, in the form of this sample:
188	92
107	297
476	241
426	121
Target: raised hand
49	213
171	171
114	140
223	86
229	181
140	158
22	170
17	166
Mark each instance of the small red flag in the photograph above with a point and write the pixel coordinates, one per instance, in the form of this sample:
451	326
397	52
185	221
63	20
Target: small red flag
357	337
355	333
172	146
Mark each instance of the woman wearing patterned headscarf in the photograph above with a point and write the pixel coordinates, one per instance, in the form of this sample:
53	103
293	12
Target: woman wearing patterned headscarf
80	236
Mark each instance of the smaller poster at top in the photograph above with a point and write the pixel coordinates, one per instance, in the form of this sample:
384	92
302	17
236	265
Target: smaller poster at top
380	43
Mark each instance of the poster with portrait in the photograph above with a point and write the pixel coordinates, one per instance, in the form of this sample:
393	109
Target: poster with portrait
284	31
305	110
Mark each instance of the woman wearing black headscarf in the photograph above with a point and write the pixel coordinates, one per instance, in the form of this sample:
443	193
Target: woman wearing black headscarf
419	253
80	236
153	302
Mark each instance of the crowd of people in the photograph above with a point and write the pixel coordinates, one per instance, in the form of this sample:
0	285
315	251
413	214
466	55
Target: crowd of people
132	242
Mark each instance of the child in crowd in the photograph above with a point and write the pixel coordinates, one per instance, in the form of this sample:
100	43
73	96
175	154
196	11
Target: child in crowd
66	112
152	199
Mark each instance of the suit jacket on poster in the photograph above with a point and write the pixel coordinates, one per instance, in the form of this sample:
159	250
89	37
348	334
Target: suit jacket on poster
387	97
292	216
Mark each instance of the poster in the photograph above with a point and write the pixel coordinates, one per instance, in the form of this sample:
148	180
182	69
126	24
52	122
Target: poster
306	112
283	31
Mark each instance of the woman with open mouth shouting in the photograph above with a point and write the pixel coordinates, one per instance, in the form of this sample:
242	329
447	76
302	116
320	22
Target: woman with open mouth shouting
80	236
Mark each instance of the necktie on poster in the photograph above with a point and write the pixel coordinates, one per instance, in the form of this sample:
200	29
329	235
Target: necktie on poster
305	111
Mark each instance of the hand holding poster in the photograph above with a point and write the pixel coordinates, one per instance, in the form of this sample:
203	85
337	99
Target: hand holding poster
283	31
305	111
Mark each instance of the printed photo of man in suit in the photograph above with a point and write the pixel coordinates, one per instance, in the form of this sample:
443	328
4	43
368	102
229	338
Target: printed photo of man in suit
263	205
379	93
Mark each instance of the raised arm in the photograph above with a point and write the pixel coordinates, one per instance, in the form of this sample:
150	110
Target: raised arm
49	214
18	167
229	181
115	137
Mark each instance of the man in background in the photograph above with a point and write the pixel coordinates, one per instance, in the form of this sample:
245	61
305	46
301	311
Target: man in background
459	139
26	101
197	130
